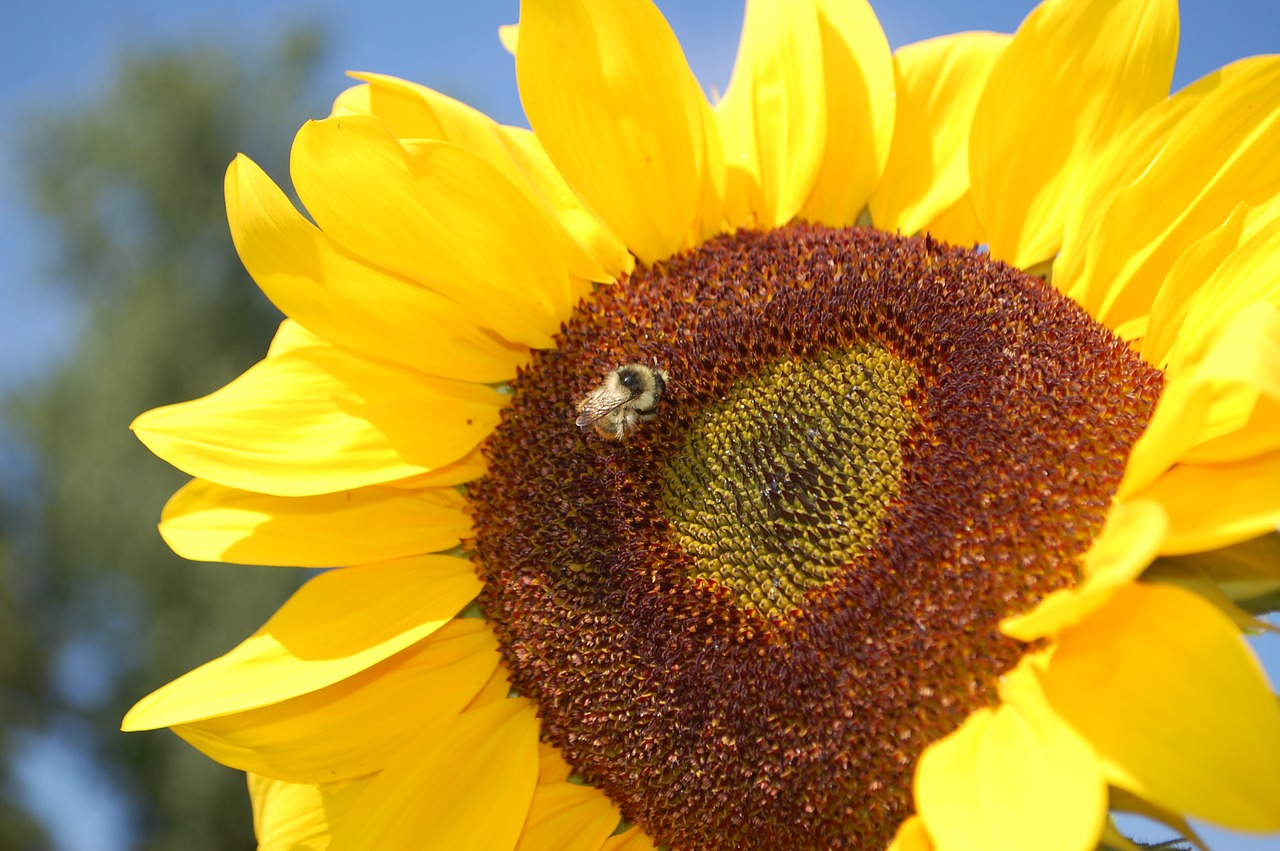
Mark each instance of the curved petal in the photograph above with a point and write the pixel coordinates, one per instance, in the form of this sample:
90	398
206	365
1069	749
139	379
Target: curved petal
1127	545
1075	75
353	727
552	767
1120	164
467	468
609	254
634	839
496	689
290	337
772	120
1012	777
1183	572
335	626
348	302
208	522
1224	408
911	836
715	186
938	85
1247	277
568	817
1216	505
610	95
436	214
1156	333
858	73
1220	154
412	111
299	816
509	35
958	224
1164	687
313	419
464	783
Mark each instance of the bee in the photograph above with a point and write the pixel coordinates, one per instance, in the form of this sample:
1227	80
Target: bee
629	396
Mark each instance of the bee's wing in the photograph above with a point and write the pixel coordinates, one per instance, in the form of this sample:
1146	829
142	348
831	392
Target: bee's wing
596	406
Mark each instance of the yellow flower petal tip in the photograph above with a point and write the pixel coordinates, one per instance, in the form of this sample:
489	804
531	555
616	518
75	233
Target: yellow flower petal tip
509	35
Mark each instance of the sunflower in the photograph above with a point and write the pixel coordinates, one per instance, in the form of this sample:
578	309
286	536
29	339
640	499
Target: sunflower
938	454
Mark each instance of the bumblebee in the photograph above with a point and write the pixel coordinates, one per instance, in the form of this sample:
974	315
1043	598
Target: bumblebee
628	396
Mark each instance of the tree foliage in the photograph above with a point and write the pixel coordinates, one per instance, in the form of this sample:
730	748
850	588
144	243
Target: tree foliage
97	609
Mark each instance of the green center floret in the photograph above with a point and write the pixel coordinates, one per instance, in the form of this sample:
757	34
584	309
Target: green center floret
784	482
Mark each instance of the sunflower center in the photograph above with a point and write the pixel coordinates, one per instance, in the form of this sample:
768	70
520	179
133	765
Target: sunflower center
745	604
782	483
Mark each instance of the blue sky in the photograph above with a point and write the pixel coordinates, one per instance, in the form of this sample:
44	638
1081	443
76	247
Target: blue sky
62	52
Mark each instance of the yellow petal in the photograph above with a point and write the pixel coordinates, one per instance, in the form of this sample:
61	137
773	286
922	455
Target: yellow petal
858	73
1075	75
551	765
938	85
1184	572
1129	542
509	35
634	839
772	120
1165	688
412	111
1012	777
1228	268
436	214
351	303
335	626
290	337
568	817
353	727
467	468
404	107
1120	164
464	783
958	224
299	816
1246	278
1223	408
208	522
496	689
1219	154
317	419
1216	505
610	95
711	213
911	836
608	253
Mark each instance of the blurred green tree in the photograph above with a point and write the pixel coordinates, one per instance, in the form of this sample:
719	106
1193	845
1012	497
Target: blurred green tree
95	610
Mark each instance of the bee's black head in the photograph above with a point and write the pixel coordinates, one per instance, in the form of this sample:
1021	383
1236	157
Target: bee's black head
631	378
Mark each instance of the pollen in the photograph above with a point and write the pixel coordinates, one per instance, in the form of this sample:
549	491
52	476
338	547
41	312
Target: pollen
747	620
